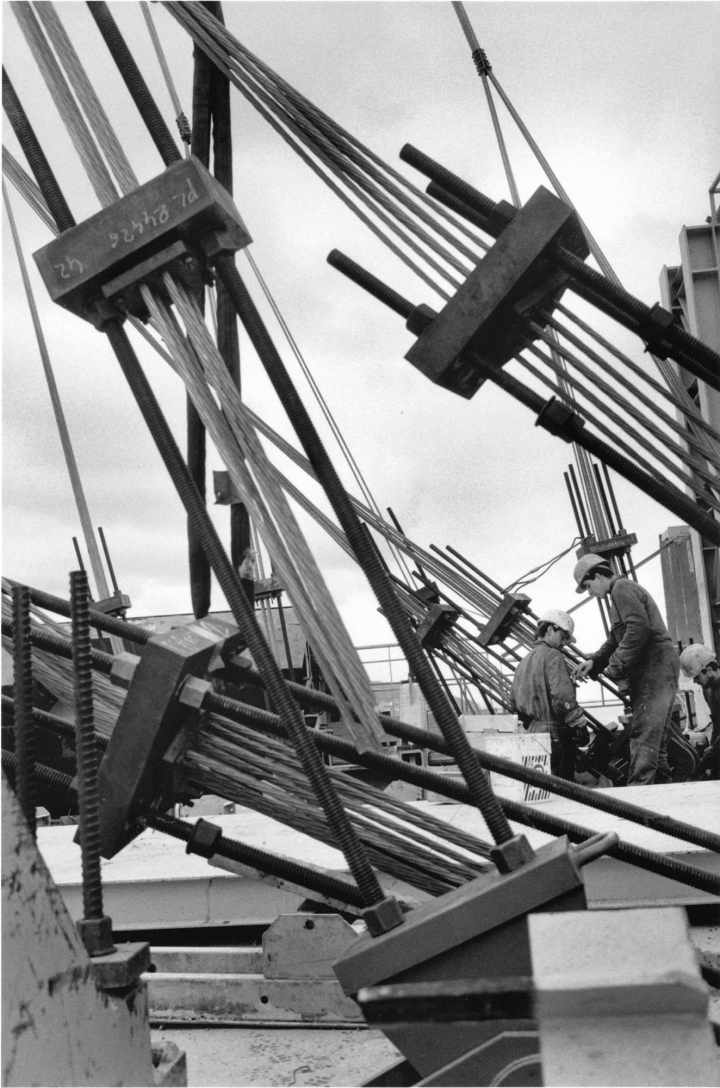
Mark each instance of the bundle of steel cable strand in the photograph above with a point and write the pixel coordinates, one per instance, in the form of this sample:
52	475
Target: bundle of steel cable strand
55	673
524	814
306	128
326	121
265	774
336	149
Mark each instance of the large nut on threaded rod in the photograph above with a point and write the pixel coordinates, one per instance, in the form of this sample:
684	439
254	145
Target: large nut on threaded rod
560	420
204	839
97	935
510	855
652	330
383	916
123	669
487	317
134	775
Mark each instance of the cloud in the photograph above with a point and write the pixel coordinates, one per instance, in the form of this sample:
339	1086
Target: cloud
591	83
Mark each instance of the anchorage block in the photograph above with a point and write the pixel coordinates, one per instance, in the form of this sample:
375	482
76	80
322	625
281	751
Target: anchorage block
150	718
159	227
612	546
435	624
487	316
498	626
479	930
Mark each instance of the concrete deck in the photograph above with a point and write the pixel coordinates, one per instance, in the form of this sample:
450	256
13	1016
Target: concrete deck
153	883
264	1058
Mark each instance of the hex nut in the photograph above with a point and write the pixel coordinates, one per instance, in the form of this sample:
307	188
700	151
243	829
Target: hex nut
97	935
383	916
510	855
123	670
193	692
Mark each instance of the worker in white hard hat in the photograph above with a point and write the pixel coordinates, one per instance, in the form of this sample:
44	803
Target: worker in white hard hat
700	664
543	694
640	652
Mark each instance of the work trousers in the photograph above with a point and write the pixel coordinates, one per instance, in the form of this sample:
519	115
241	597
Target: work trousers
653	686
562	747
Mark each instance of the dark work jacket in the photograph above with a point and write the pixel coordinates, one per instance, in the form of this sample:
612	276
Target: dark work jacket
542	689
712	698
636	628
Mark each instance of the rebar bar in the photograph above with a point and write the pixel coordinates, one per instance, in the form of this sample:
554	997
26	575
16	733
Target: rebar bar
24	721
86	751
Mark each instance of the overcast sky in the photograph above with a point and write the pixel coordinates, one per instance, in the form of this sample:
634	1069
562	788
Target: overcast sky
624	100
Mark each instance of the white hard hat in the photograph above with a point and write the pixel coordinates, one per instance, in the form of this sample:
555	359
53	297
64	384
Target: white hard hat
584	566
694	658
559	619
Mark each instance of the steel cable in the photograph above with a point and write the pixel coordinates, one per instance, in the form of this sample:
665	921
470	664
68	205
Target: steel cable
324	884
536	817
187	491
674	391
85	146
27	188
98	119
638	417
224	48
616	806
136	85
702	447
256	482
447	720
620	424
244	616
606	295
180	119
708	434
570	427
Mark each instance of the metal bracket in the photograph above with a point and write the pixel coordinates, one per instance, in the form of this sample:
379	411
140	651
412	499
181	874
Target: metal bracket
612	546
150	717
176	221
498	627
482	319
438	621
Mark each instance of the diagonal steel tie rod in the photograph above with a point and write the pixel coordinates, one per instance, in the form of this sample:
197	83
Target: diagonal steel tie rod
551	414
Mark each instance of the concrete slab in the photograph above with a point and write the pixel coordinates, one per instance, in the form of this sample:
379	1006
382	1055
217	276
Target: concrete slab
153	883
620	1000
254	1057
696	803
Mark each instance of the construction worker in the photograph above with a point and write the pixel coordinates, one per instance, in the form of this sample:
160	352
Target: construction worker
700	664
640	653
543	694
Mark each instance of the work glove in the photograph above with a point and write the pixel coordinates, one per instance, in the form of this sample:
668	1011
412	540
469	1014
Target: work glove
581	736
